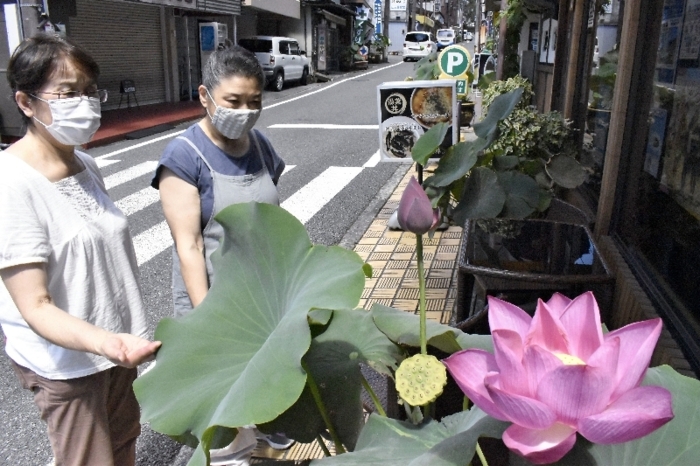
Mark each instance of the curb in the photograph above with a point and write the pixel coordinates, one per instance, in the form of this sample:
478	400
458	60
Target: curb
358	229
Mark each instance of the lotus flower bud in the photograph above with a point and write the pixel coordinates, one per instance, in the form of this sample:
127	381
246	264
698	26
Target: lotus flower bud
416	214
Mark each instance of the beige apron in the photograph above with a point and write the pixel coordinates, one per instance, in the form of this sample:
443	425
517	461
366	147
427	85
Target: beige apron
228	190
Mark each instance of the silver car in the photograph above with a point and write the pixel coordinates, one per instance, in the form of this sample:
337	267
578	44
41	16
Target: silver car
417	45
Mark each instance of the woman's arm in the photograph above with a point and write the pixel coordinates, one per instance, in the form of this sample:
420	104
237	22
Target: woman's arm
27	287
181	206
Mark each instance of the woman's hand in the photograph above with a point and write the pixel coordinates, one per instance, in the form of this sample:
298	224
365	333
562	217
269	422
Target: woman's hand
27	287
128	350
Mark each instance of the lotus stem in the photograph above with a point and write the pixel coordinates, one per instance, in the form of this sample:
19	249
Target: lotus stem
375	399
323	446
322	409
421	290
480	453
465	404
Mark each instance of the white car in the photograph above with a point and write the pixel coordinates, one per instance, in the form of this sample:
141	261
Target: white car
417	45
280	58
445	38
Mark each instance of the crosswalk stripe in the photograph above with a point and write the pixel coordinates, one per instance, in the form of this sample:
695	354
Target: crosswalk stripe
306	202
105	163
130	173
138	201
152	242
156	239
373	161
140	144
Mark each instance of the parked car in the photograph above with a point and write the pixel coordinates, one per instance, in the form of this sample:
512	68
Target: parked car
468	36
418	44
280	58
445	38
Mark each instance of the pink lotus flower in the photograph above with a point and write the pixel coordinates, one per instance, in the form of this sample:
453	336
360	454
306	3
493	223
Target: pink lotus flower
556	374
416	213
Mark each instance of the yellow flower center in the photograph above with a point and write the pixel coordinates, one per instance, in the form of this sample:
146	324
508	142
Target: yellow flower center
570	360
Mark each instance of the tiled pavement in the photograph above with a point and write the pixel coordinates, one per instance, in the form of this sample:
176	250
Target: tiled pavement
392	255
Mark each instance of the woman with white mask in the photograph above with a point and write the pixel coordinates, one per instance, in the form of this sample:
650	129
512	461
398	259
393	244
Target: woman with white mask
70	304
219	161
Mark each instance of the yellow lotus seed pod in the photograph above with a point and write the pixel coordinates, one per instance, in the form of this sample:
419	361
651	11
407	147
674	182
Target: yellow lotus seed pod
420	379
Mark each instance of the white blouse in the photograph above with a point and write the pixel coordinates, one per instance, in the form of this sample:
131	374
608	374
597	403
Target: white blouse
83	238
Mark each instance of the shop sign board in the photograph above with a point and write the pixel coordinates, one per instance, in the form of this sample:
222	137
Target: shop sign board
407	109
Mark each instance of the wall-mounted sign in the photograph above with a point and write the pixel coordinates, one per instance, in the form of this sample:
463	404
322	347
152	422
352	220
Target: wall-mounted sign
398	5
407	109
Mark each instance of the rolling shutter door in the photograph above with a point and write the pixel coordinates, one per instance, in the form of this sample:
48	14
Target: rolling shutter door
125	40
232	7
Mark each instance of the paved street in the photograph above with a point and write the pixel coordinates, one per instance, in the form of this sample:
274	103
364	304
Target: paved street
326	133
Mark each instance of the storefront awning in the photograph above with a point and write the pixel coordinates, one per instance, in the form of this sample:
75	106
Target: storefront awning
425	21
339	20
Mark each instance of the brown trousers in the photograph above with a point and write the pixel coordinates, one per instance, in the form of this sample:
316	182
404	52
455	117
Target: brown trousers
92	420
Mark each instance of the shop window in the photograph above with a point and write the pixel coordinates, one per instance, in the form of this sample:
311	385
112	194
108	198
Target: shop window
660	220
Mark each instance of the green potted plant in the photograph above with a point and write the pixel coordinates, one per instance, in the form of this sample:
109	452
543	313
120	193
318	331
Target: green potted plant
278	343
518	162
350	58
377	49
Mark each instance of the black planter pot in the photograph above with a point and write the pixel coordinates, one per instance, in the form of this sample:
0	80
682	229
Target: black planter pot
466	113
521	261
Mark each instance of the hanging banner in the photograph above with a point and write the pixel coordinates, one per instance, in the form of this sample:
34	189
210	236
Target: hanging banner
407	109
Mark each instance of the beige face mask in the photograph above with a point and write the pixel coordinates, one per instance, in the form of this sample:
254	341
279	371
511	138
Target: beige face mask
232	123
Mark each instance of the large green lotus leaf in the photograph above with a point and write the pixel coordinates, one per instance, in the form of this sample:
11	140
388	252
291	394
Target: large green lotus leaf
457	162
675	444
522	194
388	442
499	109
483	196
566	171
236	359
428	143
505	162
404	329
334	362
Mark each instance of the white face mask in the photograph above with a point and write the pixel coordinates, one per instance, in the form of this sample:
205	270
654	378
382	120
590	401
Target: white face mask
74	120
232	123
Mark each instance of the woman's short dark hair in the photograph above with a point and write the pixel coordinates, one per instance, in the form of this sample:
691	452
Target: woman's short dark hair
231	61
38	57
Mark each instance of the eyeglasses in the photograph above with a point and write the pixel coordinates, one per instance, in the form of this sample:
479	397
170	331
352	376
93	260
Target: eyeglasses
97	94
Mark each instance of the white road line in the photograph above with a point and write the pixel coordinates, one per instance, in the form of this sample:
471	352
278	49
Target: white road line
138	201
373	161
106	163
320	126
140	144
306	202
152	242
287	169
325	88
130	173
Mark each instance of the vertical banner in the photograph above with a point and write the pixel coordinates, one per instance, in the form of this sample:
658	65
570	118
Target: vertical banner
407	109
321	38
378	18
